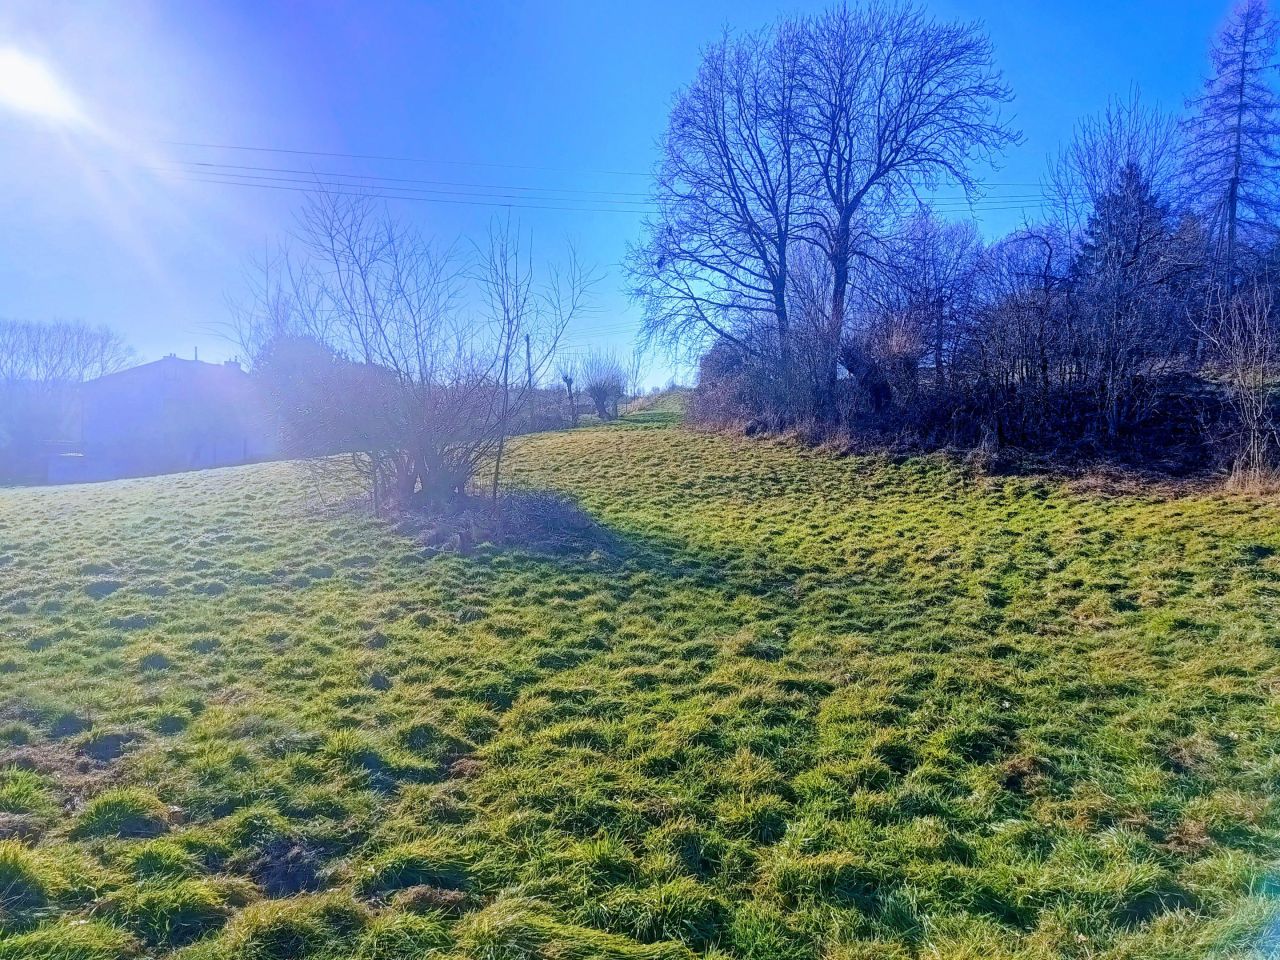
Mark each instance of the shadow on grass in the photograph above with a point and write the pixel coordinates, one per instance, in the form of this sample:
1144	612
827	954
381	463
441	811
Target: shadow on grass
540	527
535	522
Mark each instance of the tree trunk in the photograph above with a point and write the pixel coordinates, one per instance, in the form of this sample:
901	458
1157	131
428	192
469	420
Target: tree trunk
826	406
939	331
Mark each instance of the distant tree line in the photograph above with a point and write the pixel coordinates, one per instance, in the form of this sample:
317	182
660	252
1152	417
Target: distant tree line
41	367
794	252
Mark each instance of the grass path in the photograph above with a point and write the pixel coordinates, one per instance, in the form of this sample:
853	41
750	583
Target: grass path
773	705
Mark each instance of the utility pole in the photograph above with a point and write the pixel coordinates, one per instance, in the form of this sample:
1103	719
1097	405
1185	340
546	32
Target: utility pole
528	375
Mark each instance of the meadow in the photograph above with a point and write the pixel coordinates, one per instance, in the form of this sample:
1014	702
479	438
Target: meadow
751	701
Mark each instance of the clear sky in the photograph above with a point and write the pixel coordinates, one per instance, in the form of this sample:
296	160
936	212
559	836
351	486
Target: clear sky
543	106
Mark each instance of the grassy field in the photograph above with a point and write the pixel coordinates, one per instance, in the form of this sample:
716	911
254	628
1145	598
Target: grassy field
768	704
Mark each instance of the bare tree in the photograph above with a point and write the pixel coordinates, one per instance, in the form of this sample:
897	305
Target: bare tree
924	288
716	255
891	101
60	352
506	277
1233	137
1245	341
1015	356
808	134
634	373
1113	182
41	365
527	320
263	311
604	380
1104	150
568	373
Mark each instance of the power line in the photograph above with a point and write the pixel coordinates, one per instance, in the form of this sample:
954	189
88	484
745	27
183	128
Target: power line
303	185
620	326
593	339
563	199
603	330
597	196
509	166
465	163
393	159
355	193
391	189
414	180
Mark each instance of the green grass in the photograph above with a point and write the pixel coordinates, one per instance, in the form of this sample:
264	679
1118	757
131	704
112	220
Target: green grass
773	705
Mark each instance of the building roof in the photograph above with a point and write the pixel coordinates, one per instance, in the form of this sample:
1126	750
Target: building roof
173	363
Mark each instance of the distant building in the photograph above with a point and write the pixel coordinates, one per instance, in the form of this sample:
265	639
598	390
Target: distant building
166	416
37	421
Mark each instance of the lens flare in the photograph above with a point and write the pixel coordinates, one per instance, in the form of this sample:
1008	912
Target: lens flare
28	86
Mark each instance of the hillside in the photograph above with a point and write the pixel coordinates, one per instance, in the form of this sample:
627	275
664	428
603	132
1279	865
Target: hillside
770	705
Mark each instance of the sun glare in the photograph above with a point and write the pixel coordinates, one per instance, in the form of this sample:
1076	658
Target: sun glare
27	85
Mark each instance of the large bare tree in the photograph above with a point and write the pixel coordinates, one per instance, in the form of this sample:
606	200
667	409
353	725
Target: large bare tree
809	134
892	101
714	259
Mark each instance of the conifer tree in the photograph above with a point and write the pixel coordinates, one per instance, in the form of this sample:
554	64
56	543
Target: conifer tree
1233	138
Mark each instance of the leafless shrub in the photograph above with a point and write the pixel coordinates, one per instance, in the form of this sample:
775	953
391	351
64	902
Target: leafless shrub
373	352
1245	341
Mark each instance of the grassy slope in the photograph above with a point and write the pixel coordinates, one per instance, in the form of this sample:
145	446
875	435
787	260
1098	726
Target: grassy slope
783	706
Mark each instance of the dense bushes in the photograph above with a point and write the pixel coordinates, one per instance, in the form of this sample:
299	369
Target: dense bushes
795	251
1022	369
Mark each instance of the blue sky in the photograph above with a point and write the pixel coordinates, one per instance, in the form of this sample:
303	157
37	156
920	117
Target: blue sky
558	100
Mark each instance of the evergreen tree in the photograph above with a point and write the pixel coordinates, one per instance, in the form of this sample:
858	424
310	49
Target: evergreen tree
1125	248
1232	138
1123	329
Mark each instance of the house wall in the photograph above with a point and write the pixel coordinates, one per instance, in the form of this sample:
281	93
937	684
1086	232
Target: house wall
167	416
